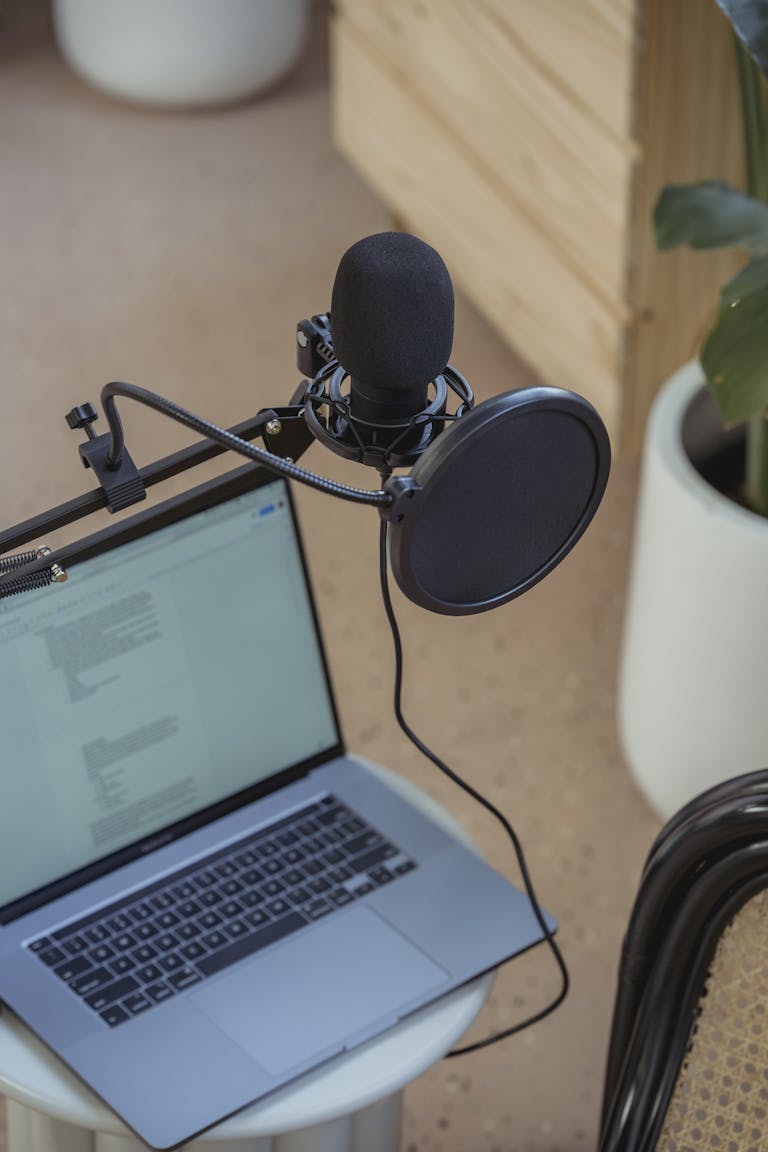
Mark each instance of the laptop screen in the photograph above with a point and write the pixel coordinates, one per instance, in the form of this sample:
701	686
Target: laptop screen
169	673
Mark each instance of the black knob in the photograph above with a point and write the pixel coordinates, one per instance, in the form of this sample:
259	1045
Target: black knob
82	416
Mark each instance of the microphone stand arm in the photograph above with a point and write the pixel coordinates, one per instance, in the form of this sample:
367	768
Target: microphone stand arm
282	429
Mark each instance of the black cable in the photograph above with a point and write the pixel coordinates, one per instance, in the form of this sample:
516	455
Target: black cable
226	439
425	751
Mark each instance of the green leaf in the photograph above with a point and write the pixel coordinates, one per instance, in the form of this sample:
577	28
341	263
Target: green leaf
749	19
735	354
711	214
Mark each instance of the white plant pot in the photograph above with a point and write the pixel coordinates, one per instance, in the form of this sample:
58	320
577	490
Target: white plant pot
693	684
181	52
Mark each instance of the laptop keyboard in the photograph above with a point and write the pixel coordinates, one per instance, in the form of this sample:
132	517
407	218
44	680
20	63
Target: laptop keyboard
142	950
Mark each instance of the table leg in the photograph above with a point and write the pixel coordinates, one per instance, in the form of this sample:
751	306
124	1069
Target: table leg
378	1127
372	1129
30	1131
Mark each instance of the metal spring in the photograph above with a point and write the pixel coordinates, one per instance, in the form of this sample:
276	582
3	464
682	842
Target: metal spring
9	563
27	583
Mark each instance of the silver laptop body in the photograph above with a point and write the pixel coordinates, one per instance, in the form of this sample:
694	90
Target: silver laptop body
199	889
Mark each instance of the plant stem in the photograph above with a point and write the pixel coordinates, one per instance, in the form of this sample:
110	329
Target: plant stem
755	121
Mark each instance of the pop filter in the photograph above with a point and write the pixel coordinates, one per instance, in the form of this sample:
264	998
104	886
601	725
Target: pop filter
497	500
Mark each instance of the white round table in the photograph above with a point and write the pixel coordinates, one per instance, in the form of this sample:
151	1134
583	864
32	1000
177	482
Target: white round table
350	1105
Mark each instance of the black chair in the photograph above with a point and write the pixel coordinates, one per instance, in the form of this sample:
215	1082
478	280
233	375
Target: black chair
688	1056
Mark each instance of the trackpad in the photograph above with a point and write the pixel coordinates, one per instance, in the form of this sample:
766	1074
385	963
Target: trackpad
310	994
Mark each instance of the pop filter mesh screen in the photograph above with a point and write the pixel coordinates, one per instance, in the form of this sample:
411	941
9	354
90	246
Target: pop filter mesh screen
500	512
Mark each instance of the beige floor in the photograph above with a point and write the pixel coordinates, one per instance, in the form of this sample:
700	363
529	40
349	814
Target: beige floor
178	251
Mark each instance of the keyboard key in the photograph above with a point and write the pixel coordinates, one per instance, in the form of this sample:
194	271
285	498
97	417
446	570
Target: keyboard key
272	888
300	896
111	992
251	876
246	859
334	856
230	909
340	896
162	901
278	907
231	887
192	951
209	920
159	992
307	827
187	931
235	929
287	839
268	848
247	945
204	879
350	827
145	931
171	962
215	940
184	978
145	953
333	815
339	875
369	839
294	856
319	885
149	973
312	867
369	860
167	920
124	942
317	908
114	1015
225	869
40	945
251	898
75	944
119	923
98	934
184	891
189	908
74	967
90	981
141	912
122	964
406	866
137	1003
101	953
381	875
52	956
166	941
257	918
210	897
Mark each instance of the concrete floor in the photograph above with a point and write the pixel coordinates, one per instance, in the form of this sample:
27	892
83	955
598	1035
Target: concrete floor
178	251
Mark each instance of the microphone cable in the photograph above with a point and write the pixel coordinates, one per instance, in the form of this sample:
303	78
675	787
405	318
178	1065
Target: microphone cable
430	755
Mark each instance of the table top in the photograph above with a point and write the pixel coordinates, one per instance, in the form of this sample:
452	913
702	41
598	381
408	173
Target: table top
31	1074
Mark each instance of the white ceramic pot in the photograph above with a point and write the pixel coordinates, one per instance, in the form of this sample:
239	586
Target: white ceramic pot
693	687
181	52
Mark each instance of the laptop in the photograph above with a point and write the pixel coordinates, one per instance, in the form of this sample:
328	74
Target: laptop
199	888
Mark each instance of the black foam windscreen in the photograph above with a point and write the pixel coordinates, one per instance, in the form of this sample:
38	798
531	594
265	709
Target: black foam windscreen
498	500
392	318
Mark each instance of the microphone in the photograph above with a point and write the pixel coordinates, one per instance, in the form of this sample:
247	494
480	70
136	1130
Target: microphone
391	325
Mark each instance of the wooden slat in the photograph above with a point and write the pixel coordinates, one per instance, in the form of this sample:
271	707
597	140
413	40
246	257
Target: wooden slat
479	70
424	173
585	47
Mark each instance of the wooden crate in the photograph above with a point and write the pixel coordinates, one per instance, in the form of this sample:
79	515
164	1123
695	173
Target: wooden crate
527	140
